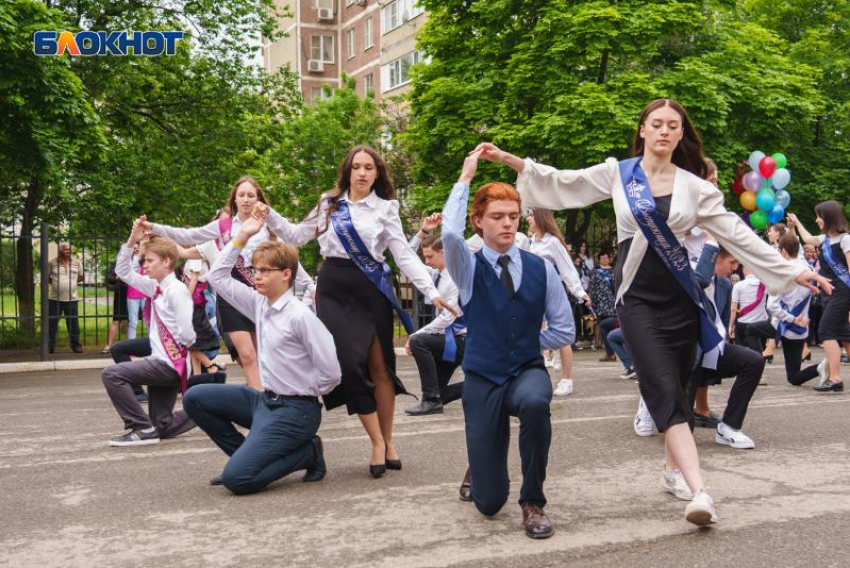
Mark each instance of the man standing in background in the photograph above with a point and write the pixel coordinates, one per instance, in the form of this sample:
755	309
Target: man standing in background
65	273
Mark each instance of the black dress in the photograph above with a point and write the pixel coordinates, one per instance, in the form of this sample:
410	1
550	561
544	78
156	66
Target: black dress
660	324
833	322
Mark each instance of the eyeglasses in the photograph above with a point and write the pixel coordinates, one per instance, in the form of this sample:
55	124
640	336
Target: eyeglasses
264	271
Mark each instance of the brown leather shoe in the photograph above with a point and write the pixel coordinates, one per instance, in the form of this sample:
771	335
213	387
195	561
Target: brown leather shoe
608	359
537	524
466	486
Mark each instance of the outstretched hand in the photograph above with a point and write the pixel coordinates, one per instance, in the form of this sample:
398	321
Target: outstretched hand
470	166
431	222
491	152
441	304
137	233
823	284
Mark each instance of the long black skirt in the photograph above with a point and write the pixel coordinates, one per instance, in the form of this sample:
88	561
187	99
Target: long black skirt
355	312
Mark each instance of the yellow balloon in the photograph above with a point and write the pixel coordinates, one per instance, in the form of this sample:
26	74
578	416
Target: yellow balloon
748	200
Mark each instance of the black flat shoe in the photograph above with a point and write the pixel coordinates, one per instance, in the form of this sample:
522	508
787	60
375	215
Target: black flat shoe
377	471
829	386
768	358
394	464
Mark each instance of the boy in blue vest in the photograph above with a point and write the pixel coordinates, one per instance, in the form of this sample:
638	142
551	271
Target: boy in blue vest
505	294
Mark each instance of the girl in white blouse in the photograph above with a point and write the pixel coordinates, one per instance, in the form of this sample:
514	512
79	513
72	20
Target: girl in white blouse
547	242
349	302
660	321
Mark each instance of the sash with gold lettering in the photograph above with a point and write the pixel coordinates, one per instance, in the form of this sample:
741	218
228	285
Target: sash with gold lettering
240	271
178	354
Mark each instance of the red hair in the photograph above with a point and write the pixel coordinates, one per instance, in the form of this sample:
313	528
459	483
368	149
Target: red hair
496	191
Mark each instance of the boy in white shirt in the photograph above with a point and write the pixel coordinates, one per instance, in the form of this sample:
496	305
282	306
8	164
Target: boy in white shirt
297	363
166	372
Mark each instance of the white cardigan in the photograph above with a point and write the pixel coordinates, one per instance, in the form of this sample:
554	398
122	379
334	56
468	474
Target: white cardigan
694	201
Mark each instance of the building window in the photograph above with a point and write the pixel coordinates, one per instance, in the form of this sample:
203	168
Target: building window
397	73
398	12
369	83
317	94
369	39
322	48
350	42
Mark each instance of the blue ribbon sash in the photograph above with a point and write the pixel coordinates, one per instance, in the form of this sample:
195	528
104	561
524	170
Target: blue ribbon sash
789	326
667	247
839	269
450	348
378	273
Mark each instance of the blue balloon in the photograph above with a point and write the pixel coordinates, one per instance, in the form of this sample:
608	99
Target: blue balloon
780	178
754	160
765	199
782	199
776	214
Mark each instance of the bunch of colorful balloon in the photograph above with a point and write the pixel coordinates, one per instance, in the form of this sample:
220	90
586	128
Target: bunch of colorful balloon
762	189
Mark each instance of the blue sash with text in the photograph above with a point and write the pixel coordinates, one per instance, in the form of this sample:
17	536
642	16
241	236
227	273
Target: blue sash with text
790	326
839	269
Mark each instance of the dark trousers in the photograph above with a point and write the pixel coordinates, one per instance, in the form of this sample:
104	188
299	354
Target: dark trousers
434	373
745	339
122	351
488	408
57	309
280	438
163	387
605	327
740	362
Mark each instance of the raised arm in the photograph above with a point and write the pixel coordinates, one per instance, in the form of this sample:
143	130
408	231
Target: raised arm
404	256
460	262
124	264
705	265
295	234
187	237
548	187
808	238
778	274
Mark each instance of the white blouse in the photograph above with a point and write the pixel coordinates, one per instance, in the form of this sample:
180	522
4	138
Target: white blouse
550	248
379	226
694	201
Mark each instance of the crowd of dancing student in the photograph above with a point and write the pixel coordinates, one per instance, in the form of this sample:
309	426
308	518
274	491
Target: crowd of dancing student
492	295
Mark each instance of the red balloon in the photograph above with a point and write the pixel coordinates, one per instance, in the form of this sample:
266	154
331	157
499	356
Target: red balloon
738	185
767	166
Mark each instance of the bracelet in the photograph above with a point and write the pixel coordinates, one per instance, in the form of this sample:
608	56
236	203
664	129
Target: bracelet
237	244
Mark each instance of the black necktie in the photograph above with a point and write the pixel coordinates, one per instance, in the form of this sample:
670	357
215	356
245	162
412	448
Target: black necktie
437	280
506	279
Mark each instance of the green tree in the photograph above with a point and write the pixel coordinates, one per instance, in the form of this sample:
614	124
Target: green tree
564	82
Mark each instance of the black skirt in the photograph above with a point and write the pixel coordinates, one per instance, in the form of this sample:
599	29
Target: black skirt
205	337
231	319
836	307
355	312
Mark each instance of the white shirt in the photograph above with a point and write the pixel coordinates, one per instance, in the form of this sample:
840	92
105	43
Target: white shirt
694	242
694	200
296	352
476	242
843	238
745	293
550	248
173	306
211	232
791	299
448	292
377	222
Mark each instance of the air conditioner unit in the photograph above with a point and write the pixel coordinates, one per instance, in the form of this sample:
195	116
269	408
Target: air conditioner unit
315	65
326	13
405	16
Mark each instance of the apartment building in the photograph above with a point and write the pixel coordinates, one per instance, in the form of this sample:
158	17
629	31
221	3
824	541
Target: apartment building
370	40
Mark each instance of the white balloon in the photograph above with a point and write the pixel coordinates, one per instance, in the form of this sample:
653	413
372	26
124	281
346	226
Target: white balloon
754	160
780	178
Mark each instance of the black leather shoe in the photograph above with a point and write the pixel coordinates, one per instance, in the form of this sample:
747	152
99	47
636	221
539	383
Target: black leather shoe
768	359
78	349
535	521
829	386
377	471
466	486
425	407
393	464
319	469
216	480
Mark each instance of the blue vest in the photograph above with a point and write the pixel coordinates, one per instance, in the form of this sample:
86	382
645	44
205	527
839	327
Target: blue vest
503	331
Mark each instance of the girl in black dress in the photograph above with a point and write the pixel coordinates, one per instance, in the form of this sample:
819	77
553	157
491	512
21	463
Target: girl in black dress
660	320
834	327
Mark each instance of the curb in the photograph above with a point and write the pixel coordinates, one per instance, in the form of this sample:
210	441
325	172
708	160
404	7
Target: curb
82	364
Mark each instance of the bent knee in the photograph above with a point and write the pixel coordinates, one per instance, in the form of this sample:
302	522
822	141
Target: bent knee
238	484
491	506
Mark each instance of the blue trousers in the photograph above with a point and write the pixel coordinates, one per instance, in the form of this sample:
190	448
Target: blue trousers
487	408
618	344
280	438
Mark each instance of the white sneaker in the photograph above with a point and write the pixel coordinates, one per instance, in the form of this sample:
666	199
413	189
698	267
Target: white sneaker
700	511
550	360
823	372
727	436
674	483
644	425
564	388
556	364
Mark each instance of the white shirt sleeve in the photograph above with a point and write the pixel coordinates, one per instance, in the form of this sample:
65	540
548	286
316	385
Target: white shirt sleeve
566	268
208	232
295	234
319	343
181	306
405	258
239	295
548	187
124	270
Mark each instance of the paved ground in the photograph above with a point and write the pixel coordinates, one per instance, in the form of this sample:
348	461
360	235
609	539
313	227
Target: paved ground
67	499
